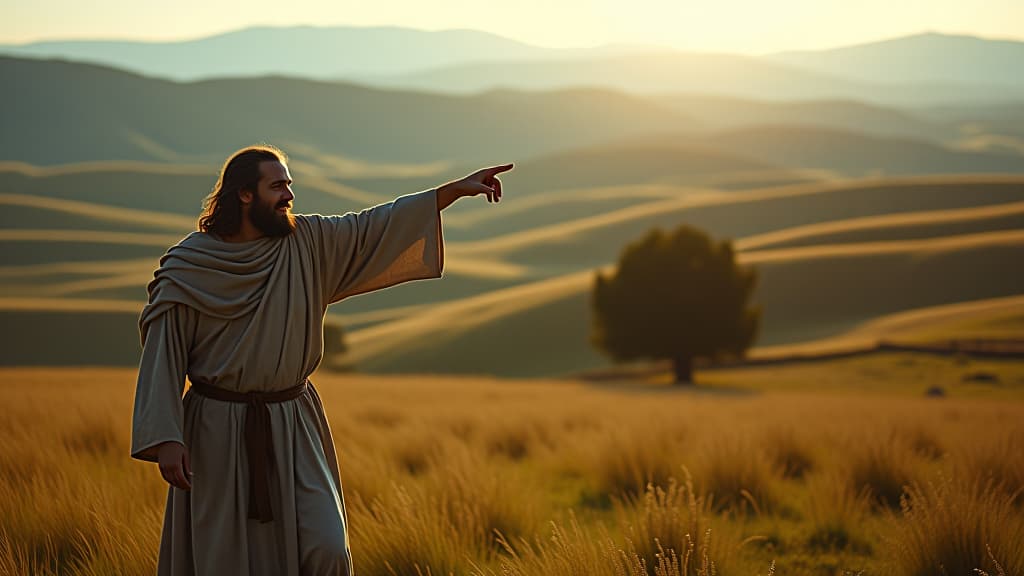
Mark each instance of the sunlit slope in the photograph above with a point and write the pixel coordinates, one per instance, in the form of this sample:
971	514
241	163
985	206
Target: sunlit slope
76	285
807	293
118	265
599	239
40	212
906	226
860	211
989	318
797	214
645	162
581	183
855	154
123	116
176	191
520	221
719	113
811	292
543	270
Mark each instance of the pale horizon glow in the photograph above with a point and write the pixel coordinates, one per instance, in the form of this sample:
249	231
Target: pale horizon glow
736	26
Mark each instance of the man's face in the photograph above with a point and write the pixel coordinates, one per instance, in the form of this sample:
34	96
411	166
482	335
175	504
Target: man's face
271	209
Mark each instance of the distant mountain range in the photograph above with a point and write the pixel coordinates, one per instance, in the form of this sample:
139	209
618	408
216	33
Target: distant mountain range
324	53
926	69
923	58
59	112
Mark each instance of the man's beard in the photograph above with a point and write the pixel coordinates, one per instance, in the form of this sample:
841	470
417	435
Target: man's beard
270	222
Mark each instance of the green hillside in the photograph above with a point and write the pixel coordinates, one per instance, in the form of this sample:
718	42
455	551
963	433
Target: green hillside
646	163
806	296
174	190
720	113
116	115
887	227
592	242
853	154
808	291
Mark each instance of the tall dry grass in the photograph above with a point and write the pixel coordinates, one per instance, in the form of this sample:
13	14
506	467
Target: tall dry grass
837	514
880	466
956	525
477	476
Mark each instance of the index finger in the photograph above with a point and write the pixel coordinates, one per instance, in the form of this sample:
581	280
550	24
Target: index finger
497	169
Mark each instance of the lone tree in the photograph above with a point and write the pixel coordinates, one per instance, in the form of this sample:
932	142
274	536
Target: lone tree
675	296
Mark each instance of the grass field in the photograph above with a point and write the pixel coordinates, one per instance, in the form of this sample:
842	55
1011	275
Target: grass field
801	467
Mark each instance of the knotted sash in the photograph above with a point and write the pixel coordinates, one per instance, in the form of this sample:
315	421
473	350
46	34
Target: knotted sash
259	445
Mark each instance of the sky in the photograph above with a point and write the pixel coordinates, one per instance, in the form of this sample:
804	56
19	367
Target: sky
736	26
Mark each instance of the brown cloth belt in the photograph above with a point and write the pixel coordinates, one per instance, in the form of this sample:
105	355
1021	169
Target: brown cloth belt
259	446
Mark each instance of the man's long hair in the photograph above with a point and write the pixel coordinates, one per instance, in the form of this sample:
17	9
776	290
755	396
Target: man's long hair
222	209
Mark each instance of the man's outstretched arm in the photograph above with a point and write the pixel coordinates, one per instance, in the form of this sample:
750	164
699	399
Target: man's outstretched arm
483	181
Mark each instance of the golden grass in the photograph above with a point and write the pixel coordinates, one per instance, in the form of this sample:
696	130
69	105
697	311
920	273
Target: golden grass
957	524
449	475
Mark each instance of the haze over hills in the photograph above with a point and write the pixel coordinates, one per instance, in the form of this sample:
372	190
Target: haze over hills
721	113
323	53
714	74
921	58
915	70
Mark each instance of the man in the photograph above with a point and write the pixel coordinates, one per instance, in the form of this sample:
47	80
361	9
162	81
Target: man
238	308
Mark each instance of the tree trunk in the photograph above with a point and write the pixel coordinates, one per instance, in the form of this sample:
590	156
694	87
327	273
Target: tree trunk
683	368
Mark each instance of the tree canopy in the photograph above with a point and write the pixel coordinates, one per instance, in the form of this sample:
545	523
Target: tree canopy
676	296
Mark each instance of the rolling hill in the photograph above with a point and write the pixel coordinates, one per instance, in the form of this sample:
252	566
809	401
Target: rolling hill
721	113
853	154
807	294
591	242
160	194
826	252
888	227
61	112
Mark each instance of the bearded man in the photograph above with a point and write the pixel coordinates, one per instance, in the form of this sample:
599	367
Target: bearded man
238	307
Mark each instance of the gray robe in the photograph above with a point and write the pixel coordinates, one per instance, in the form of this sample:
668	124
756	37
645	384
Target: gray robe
248	316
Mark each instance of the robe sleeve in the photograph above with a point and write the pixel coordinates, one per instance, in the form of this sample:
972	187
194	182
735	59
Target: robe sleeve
158	412
382	246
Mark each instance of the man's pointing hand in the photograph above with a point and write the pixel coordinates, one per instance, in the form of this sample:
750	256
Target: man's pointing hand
483	181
